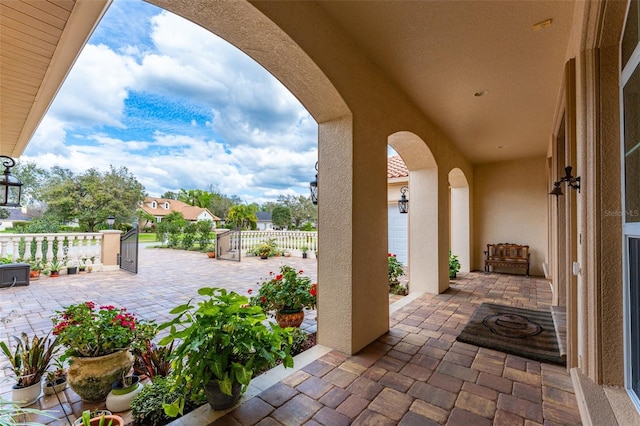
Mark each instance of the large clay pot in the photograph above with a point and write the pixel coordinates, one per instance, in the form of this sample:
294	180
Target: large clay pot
26	395
290	318
219	400
91	377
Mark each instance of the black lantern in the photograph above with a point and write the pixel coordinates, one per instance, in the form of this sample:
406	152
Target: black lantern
573	182
110	221
403	202
313	187
10	186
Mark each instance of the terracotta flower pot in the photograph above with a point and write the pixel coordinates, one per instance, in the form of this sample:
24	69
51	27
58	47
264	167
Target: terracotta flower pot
290	318
91	377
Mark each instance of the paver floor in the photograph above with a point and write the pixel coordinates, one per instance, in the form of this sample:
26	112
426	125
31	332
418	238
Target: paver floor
415	374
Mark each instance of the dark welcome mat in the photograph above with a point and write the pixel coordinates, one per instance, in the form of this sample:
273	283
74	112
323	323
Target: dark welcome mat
523	332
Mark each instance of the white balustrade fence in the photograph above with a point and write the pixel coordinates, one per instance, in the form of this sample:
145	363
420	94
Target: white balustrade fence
70	247
292	241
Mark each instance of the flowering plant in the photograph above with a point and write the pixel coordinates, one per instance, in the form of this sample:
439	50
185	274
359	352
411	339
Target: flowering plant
288	290
396	270
88	331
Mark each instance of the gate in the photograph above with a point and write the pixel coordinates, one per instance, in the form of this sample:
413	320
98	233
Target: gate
128	256
228	245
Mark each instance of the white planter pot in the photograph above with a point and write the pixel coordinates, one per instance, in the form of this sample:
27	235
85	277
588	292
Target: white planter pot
52	390
118	402
26	396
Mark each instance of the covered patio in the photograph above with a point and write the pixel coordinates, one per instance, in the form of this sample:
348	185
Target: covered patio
415	374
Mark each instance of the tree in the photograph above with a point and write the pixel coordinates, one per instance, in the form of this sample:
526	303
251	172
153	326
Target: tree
196	197
281	216
170	228
34	179
169	195
92	196
243	216
4	213
301	207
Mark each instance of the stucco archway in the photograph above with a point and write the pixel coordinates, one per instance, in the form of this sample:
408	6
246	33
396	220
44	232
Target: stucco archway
459	214
423	211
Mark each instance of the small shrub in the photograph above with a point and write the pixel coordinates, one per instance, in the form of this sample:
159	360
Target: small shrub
299	339
396	269
147	409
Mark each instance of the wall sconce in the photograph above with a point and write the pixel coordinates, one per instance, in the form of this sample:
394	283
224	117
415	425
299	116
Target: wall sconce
110	221
313	187
10	186
403	202
573	182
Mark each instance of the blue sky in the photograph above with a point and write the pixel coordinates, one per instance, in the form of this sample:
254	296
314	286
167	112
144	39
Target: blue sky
180	108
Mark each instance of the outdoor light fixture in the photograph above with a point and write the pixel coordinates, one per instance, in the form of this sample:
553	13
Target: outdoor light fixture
110	221
10	186
313	187
403	202
573	182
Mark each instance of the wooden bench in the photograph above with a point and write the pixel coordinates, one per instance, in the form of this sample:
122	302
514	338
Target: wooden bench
507	255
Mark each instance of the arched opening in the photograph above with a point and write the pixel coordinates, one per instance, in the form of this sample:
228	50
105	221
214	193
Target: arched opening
423	240
459	214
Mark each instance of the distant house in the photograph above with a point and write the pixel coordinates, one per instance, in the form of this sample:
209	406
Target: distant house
160	207
265	222
397	177
15	215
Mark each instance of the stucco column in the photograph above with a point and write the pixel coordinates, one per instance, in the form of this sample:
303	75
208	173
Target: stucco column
353	296
110	249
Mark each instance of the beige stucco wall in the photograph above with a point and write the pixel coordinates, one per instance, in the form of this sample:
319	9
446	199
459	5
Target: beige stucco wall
510	205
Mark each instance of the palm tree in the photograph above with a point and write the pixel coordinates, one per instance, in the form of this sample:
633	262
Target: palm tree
243	216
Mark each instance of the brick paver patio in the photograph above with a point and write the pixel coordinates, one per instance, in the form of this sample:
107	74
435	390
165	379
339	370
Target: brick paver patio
415	374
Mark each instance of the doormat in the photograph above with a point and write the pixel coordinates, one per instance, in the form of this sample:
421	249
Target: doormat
523	332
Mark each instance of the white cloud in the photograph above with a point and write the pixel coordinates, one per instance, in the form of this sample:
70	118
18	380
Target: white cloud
206	114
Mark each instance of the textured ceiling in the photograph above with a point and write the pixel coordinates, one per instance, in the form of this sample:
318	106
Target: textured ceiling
442	52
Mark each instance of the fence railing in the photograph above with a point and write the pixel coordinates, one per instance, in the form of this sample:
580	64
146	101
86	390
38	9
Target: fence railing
70	247
292	241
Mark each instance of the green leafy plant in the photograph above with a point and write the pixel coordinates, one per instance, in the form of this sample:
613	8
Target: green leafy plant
454	265
30	359
266	249
87	330
223	340
153	361
36	264
288	290
55	265
396	269
147	406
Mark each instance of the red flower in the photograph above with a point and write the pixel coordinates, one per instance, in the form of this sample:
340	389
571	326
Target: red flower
250	291
278	277
314	290
90	305
300	271
388	254
108	307
263	299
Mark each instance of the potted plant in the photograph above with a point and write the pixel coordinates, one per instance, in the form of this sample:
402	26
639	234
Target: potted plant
36	266
223	341
122	393
264	250
72	267
54	267
29	362
82	264
210	250
304	249
98	340
99	418
56	380
285	295
454	265
153	361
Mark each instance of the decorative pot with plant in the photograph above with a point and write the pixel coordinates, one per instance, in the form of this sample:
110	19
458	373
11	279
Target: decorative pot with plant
36	268
54	267
285	295
304	249
454	265
99	418
222	343
29	362
264	251
211	251
56	380
122	393
98	342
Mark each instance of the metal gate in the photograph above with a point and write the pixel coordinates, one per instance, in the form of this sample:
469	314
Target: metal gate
128	257
228	245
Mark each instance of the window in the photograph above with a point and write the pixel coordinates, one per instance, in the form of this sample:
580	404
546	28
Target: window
166	205
630	105
154	205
